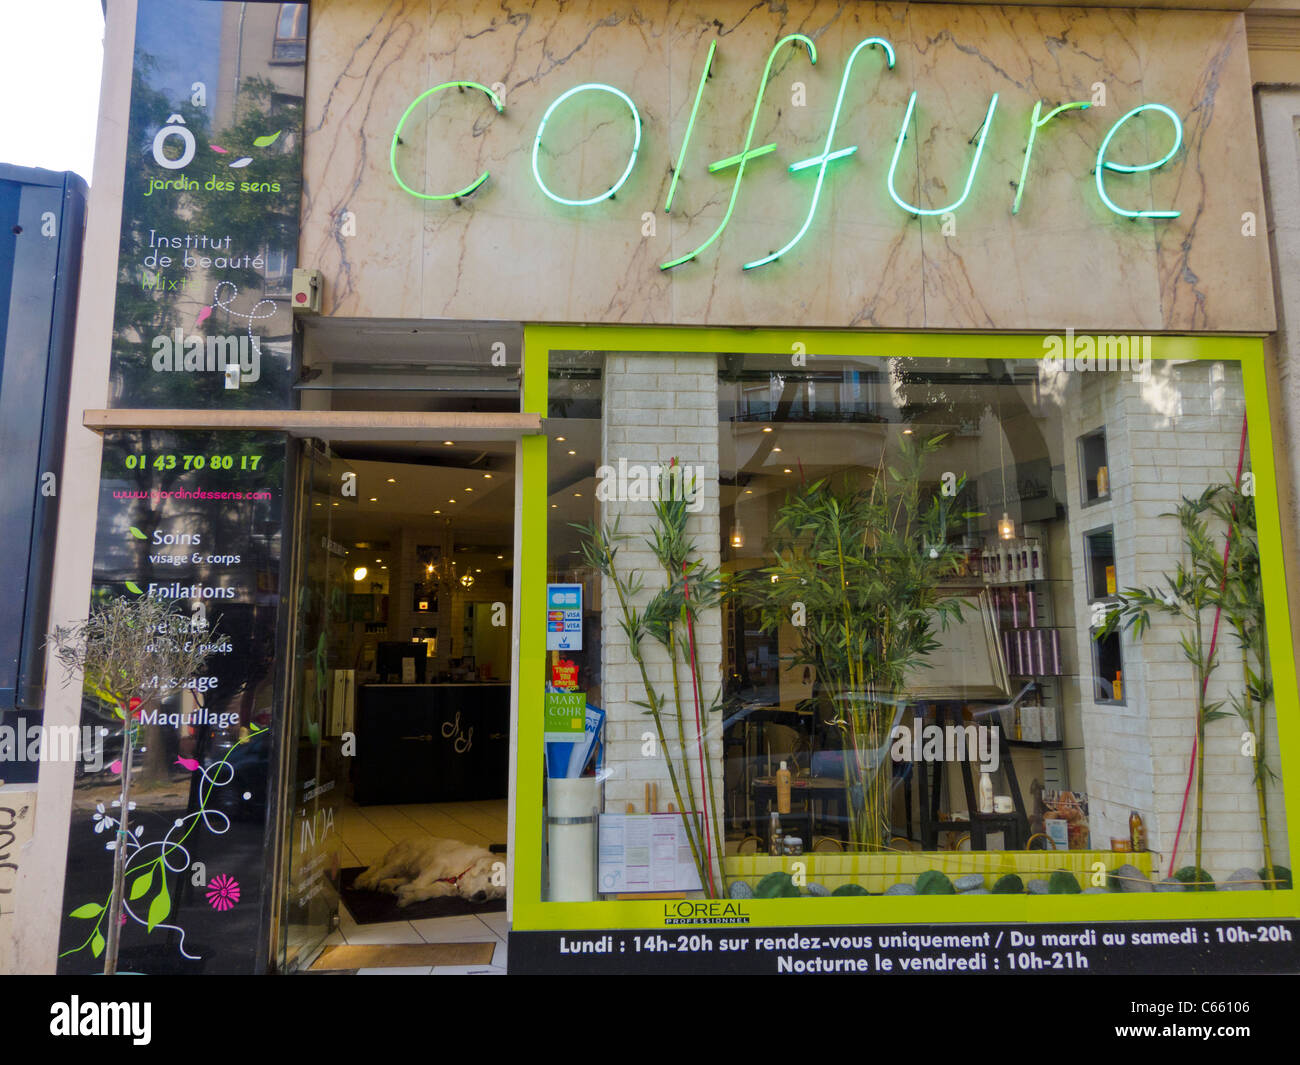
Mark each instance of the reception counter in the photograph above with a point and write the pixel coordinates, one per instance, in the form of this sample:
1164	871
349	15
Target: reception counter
421	743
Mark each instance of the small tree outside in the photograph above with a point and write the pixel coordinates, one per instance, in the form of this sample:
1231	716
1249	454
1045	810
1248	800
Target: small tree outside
132	654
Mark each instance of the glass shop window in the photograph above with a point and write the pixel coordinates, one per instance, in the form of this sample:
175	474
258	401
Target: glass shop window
874	621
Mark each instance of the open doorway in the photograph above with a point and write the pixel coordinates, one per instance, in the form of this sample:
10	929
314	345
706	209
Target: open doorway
401	708
399	696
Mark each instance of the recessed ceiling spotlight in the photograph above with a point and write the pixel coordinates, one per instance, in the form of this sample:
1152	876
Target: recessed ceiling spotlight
572	452
374	499
392	480
767	428
487	476
560	439
449	443
788	470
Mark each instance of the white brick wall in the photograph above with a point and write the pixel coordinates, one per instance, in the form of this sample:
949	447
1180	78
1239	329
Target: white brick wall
658	407
1166	438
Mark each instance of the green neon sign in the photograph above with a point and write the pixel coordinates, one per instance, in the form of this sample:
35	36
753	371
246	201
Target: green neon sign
631	162
970	176
745	155
397	139
1123	168
690	125
1035	124
827	156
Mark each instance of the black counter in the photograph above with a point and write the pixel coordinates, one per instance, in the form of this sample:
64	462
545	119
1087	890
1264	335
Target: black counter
432	743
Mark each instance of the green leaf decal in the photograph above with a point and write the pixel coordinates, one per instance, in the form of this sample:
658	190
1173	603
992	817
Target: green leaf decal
134	588
138	534
90	909
160	907
267	141
97	945
142	883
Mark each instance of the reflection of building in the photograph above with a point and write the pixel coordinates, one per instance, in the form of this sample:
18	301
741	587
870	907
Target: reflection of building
482	357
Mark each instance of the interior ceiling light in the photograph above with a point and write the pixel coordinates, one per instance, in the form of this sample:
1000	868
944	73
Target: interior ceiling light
560	439
907	432
359	574
449	443
501	556
373	499
467	580
572	452
788	470
776	449
487	476
767	428
554	506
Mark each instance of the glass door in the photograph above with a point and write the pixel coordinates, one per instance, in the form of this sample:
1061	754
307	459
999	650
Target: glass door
321	702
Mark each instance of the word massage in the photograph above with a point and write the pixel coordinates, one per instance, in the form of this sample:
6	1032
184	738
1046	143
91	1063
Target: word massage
1105	167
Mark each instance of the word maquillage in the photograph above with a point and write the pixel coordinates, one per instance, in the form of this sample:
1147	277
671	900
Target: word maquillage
1105	168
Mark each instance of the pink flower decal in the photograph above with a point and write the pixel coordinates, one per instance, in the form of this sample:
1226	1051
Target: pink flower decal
115	767
204	315
223	892
188	763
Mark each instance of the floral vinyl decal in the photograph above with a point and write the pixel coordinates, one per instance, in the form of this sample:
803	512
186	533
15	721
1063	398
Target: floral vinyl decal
223	892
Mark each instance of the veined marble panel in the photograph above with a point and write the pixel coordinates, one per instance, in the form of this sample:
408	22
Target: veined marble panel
508	252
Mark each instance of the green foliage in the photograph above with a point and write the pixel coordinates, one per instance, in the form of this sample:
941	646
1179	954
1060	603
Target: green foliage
933	882
850	889
776	886
1009	884
1196	879
1280	872
1062	882
862	564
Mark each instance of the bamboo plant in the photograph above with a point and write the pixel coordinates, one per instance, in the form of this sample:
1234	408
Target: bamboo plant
1194	587
1242	602
858	572
669	619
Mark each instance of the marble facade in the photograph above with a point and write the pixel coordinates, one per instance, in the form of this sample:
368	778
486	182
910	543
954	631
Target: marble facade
508	252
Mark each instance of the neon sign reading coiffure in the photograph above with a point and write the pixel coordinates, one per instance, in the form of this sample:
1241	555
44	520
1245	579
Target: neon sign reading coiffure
819	163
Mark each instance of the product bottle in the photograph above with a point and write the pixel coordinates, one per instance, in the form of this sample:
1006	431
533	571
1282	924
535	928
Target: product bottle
986	794
1137	832
783	790
774	838
1103	481
1036	563
1119	685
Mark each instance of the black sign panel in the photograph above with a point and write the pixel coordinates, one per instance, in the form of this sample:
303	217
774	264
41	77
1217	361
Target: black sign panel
210	207
1257	945
193	518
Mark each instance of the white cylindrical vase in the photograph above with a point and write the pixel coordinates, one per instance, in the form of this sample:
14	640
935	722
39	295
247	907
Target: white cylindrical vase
572	810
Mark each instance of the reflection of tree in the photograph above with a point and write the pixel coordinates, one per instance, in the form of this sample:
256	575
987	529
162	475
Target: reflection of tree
960	399
257	220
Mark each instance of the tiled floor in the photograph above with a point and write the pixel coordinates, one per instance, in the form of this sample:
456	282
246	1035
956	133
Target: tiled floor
369	831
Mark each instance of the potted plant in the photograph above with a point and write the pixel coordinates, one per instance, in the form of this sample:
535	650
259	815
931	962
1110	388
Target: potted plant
858	572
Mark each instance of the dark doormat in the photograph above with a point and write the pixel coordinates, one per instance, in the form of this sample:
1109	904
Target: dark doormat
376	907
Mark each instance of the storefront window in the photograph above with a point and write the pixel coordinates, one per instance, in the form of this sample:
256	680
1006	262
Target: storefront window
904	625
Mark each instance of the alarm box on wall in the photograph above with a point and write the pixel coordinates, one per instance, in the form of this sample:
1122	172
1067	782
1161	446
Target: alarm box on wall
306	291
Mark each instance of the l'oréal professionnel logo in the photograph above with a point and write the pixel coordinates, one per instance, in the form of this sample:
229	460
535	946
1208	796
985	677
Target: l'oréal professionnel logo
704	911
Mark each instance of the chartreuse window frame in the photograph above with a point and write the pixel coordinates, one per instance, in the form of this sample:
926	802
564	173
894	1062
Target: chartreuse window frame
531	913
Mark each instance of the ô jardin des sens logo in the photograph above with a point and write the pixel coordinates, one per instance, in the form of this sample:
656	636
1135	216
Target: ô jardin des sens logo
198	255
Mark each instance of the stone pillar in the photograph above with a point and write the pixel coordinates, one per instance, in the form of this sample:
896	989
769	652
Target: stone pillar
658	407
